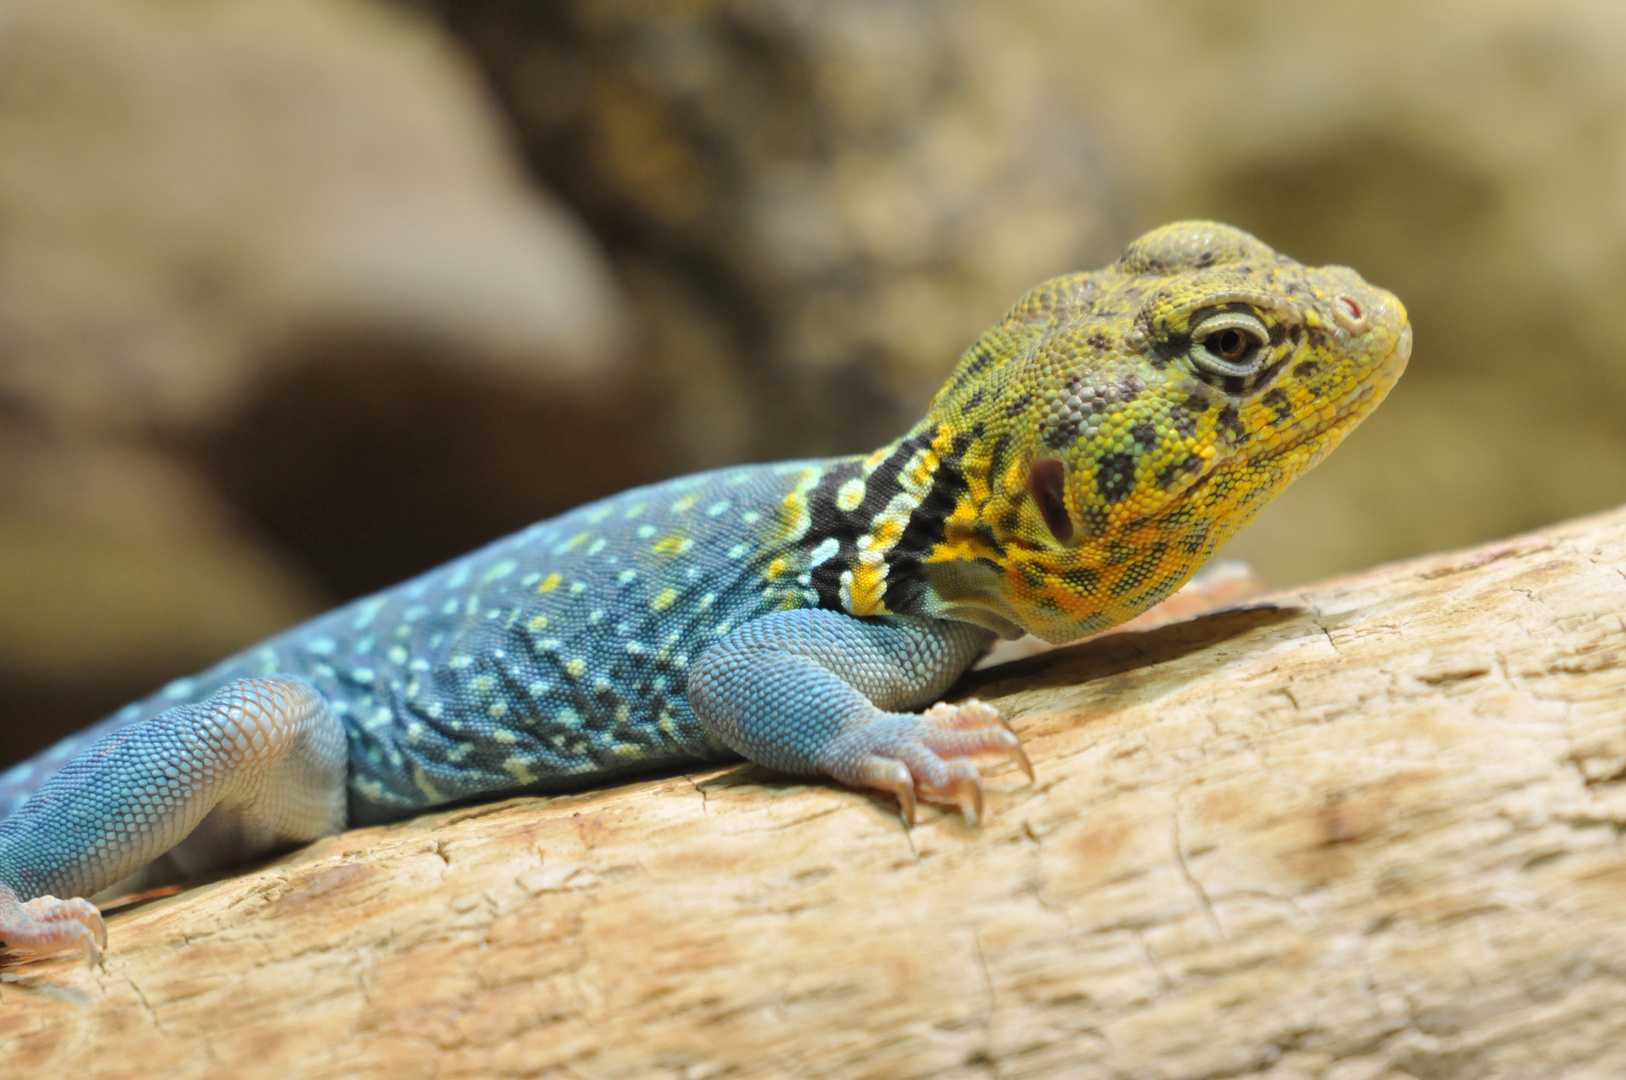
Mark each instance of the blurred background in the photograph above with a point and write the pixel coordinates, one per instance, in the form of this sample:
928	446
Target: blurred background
300	297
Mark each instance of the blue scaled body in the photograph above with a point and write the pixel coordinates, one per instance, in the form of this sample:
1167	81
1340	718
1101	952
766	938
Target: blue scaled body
687	621
551	659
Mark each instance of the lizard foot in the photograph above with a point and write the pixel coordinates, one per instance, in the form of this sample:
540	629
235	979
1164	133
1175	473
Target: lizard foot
46	924
923	755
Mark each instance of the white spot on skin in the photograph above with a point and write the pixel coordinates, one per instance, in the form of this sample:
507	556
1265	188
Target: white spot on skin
596	546
178	689
850	495
645	531
322	646
827	549
369	611
739	551
627	577
717	509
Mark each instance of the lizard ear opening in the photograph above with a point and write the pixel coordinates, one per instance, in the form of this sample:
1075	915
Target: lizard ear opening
1047	483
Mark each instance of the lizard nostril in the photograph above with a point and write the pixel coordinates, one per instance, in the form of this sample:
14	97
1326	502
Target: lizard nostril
1349	313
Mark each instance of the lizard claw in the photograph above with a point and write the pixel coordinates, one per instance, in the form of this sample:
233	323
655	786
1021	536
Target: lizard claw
46	924
888	775
965	790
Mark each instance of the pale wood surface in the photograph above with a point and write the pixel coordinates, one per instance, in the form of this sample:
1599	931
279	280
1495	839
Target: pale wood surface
1373	831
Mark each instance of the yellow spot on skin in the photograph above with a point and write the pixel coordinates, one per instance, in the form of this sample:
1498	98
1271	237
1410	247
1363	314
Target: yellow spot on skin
794	516
865	585
577	541
551	582
421	782
663	599
675	544
517	766
540	622
576	667
683	504
776	568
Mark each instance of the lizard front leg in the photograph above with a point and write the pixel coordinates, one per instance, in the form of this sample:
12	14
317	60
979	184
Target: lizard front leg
815	691
259	765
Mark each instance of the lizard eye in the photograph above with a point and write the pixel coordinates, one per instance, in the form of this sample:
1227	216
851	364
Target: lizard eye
1230	345
1047	483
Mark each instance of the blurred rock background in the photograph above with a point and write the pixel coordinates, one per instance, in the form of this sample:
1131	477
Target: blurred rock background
298	297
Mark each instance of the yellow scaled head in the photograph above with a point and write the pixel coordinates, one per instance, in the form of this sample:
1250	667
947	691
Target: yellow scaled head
1124	423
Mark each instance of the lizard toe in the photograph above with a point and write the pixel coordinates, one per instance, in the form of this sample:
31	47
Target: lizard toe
927	756
47	924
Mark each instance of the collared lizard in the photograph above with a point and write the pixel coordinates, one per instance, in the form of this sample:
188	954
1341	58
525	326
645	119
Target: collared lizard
1088	454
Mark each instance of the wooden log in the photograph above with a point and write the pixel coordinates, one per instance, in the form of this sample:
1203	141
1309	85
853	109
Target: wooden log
1370	830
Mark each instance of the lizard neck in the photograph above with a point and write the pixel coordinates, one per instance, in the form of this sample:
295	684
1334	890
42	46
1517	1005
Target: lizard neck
875	519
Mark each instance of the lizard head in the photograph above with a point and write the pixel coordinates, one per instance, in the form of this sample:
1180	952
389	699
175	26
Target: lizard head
1118	426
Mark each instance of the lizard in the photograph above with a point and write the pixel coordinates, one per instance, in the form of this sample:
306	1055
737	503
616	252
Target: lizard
1085	458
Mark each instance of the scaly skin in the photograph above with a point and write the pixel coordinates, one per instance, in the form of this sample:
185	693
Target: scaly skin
1088	455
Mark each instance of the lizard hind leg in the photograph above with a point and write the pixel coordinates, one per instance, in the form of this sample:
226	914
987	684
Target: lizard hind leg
259	765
